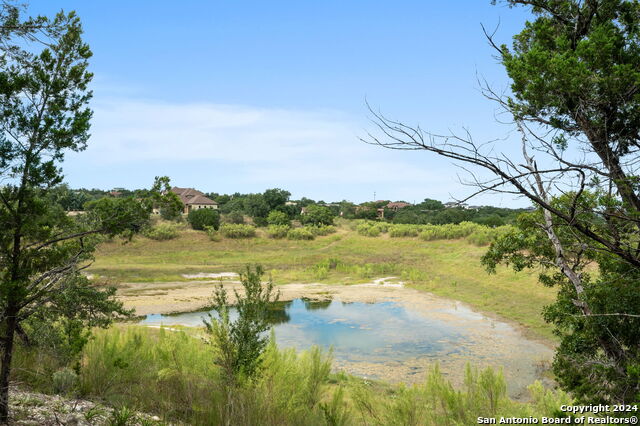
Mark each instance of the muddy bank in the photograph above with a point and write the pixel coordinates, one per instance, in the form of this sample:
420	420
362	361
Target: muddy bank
488	342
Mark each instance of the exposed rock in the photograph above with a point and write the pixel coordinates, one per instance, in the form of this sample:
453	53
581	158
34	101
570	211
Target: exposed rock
31	408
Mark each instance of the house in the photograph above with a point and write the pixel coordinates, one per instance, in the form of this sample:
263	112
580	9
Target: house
194	199
453	204
397	205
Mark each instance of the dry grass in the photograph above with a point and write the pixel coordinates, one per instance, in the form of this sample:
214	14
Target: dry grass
449	268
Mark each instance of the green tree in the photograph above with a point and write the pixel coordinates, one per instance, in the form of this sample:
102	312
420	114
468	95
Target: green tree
203	218
276	197
44	113
575	103
256	206
317	215
167	201
429	204
241	342
278	218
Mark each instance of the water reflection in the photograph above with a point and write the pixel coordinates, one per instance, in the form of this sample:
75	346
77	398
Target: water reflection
375	331
390	341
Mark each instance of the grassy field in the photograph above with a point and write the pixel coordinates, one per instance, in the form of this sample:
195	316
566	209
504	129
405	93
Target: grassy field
449	268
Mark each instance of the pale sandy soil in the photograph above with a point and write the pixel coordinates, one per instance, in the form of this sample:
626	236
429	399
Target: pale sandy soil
187	296
490	342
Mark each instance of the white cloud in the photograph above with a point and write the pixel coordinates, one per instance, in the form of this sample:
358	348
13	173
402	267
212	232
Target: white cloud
281	145
230	148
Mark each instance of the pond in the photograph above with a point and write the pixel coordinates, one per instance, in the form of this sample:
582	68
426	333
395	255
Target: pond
390	341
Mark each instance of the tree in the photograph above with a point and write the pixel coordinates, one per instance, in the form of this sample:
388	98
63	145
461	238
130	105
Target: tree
43	114
276	197
429	204
241	342
202	218
575	103
317	215
278	218
169	203
256	206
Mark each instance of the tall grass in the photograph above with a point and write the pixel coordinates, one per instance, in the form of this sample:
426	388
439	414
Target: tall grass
437	403
171	373
231	230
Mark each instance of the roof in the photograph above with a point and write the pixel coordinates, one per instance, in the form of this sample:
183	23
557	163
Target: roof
190	196
398	205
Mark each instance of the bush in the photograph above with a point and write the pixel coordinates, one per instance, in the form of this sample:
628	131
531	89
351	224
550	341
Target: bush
64	381
238	231
201	218
278	218
317	215
161	232
300	234
372	229
277	231
403	231
321	230
235	217
241	342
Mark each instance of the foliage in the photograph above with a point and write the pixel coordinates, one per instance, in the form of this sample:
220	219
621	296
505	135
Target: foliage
317	215
237	231
300	234
278	218
596	358
433	212
276	198
277	231
372	229
201	218
167	201
64	380
235	217
396	231
240	343
170	373
114	216
256	206
162	232
44	114
321	230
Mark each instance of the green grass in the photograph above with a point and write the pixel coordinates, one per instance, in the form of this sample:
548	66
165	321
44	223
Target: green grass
449	268
171	374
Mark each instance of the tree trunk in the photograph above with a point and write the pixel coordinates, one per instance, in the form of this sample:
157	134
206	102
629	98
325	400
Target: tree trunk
5	368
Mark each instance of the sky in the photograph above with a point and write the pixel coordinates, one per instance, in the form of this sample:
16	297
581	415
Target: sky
241	96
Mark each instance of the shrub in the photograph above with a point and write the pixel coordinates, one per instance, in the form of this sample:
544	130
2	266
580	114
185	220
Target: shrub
241	342
403	231
277	231
64	381
372	229
201	218
278	218
317	215
321	230
238	231
300	234
161	232
260	221
235	217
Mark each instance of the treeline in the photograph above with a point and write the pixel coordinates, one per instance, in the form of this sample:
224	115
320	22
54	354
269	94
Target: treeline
258	206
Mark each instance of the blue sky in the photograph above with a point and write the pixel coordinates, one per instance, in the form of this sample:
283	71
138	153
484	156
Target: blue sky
240	96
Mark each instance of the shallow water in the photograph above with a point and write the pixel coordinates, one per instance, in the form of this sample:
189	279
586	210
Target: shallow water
390	341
